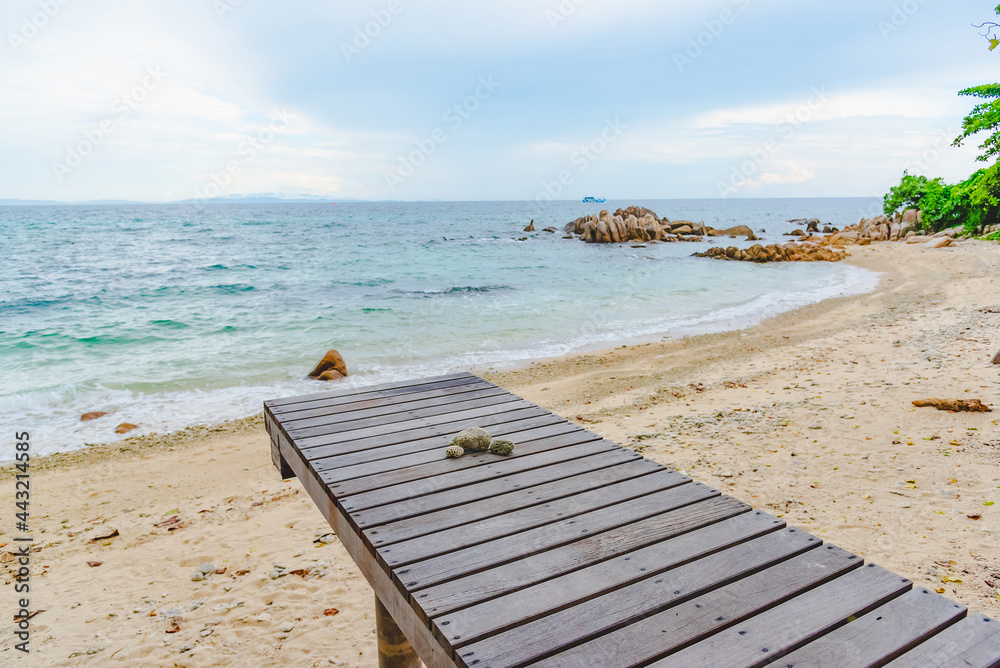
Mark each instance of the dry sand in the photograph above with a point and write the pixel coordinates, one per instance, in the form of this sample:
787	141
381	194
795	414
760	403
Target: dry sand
807	416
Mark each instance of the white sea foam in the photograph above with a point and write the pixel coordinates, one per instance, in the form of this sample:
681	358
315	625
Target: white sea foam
54	416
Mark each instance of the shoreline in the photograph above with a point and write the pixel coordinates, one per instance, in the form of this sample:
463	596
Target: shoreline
806	416
707	324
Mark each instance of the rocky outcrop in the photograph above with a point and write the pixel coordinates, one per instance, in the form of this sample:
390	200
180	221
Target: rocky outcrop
738	231
830	248
792	252
331	367
125	427
530	227
86	417
638	211
905	227
640	224
811	224
607	228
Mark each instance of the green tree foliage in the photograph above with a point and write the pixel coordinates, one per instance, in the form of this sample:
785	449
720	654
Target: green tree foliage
943	205
974	202
983	188
991	31
985	116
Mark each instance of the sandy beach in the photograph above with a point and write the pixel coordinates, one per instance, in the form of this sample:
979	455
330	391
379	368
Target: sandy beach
808	416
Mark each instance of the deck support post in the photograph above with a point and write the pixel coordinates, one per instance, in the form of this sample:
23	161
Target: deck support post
284	470
394	650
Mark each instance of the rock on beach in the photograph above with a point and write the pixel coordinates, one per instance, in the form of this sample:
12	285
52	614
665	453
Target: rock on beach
331	367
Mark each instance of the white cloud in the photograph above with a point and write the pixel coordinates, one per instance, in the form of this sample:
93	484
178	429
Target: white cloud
899	102
788	172
80	71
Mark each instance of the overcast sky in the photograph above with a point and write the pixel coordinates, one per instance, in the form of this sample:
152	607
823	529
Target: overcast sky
506	100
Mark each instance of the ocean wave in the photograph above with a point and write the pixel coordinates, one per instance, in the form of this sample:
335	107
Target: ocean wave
234	288
459	290
104	340
55	414
367	283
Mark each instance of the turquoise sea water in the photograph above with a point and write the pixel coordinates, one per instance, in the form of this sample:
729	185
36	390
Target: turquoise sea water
168	315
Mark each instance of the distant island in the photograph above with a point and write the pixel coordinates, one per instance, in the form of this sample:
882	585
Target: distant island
257	198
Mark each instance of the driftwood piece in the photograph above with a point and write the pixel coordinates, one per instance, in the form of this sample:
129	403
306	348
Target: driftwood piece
961	405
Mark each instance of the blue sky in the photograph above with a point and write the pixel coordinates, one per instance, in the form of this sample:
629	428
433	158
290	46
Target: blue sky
511	100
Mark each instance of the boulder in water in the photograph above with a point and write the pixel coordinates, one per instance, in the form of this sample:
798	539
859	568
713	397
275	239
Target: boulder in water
331	361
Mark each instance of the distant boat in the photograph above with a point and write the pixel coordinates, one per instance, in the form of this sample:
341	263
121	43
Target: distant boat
595	200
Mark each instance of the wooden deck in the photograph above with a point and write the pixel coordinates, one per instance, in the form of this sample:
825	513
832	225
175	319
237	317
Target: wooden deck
576	551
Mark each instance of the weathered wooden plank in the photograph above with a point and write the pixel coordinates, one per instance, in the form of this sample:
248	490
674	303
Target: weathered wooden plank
493	467
499	496
437	423
536	623
770	635
494	553
504	494
525	457
416	631
319	408
446	430
525	519
884	633
389	408
680	564
567	553
973	642
411	453
686	623
465	591
280	405
402	415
